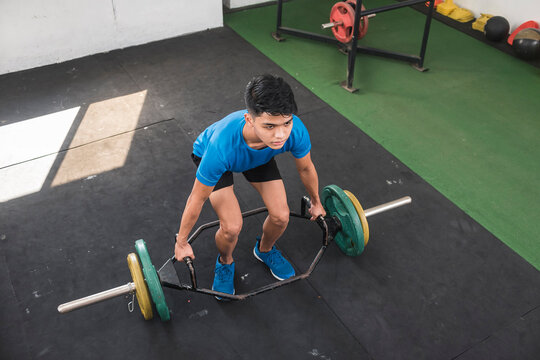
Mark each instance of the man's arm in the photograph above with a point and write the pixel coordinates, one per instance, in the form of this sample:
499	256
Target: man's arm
310	179
199	194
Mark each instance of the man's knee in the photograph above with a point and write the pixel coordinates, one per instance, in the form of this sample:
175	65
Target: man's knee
230	230
280	218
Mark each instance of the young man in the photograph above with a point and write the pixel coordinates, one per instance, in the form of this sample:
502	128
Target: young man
246	141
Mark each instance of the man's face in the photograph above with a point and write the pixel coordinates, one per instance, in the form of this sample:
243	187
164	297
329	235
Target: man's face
273	130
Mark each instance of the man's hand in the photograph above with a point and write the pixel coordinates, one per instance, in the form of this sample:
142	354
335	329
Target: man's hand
316	210
199	194
182	249
309	178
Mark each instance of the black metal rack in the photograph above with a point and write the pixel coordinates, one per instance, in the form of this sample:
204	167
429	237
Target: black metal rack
352	47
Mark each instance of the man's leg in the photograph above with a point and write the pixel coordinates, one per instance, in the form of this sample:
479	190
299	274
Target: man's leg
226	206
275	198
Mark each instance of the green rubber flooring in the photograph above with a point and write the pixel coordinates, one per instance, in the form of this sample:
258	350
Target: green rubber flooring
470	126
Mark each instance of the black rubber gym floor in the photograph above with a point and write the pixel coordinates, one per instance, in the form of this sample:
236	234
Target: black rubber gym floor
431	284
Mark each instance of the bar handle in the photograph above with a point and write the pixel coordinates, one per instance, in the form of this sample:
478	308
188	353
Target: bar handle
191	268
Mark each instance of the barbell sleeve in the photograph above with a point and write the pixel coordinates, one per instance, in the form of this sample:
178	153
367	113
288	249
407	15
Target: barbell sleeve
339	23
95	298
331	24
388	206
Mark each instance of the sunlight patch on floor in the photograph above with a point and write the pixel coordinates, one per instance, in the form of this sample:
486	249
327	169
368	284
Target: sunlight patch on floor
28	150
103	119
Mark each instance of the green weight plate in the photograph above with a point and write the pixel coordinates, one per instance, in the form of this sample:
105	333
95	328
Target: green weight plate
351	237
152	280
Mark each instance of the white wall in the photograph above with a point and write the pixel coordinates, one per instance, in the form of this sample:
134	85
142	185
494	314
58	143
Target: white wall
516	12
233	4
41	32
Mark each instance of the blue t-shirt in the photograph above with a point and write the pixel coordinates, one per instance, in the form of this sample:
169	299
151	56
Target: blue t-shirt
222	148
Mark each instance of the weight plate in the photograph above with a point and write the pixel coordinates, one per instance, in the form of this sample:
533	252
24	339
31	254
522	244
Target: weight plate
361	215
364	20
152	280
343	13
143	296
350	238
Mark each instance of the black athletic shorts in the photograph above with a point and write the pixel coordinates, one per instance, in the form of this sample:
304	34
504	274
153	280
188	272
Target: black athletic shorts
265	172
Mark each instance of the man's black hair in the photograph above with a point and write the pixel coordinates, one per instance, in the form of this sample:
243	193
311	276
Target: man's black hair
269	94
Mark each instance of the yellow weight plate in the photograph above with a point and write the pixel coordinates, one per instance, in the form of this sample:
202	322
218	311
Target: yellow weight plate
361	215
141	290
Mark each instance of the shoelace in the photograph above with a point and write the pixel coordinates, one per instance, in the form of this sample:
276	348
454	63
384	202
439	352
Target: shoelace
274	257
223	272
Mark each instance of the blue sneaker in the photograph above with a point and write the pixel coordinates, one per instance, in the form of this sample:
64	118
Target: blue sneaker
279	266
223	278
